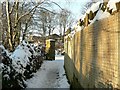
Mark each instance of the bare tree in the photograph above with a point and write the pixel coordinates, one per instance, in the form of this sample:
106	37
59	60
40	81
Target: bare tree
51	24
13	18
65	19
27	21
86	6
17	17
1	23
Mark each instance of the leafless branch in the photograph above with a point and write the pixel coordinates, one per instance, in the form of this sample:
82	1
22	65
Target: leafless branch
12	8
57	5
27	13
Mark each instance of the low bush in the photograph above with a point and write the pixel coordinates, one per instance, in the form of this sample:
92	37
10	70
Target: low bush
18	66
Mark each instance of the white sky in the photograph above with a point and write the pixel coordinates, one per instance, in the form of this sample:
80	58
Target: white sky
74	6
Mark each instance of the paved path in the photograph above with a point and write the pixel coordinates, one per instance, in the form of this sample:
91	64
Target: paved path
50	75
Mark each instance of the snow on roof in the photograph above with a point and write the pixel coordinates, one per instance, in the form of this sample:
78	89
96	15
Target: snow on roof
37	35
51	40
34	31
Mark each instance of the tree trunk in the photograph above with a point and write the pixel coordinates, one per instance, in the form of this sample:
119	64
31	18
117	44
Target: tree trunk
49	30
16	32
24	32
44	29
60	30
9	26
1	24
64	30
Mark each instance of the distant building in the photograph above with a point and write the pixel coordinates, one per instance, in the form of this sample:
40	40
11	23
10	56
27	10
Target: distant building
53	36
34	37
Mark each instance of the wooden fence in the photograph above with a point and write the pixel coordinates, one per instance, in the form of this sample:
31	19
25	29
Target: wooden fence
92	55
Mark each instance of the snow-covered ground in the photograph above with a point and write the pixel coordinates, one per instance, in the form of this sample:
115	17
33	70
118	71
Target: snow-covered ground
50	75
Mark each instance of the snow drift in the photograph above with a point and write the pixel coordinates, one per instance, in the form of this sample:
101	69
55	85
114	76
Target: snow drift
18	66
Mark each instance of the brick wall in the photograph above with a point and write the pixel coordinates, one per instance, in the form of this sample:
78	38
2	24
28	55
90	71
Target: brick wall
92	55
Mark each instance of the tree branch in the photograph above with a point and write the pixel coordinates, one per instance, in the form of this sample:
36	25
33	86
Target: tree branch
27	13
11	10
57	5
47	10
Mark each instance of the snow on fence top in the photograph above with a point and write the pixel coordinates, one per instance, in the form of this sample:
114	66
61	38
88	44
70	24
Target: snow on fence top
112	5
96	12
94	7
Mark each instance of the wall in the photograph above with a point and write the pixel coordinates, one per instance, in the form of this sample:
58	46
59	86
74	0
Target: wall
92	55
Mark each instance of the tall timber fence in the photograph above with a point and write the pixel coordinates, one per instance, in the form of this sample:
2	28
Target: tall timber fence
92	55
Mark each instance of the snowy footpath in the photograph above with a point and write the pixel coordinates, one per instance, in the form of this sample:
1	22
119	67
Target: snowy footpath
50	75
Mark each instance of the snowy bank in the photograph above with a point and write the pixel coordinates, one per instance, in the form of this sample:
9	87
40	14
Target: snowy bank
19	65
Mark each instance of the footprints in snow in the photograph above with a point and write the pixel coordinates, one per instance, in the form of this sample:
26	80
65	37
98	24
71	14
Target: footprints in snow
57	75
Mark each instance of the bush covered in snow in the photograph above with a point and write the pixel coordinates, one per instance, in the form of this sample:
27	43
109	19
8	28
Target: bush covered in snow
18	66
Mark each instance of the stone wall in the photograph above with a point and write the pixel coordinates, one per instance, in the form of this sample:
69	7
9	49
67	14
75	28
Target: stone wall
92	55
